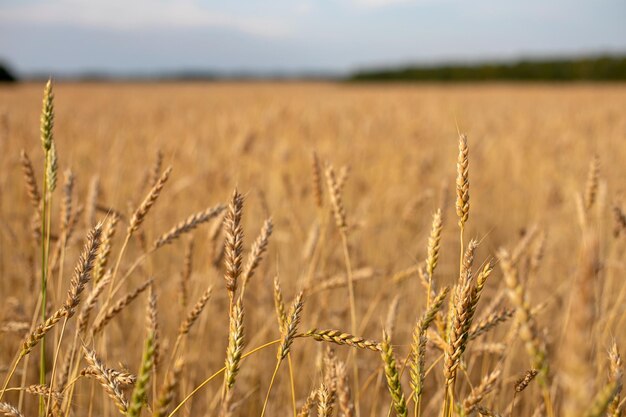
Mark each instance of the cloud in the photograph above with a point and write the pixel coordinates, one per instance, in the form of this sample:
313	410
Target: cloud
141	14
385	3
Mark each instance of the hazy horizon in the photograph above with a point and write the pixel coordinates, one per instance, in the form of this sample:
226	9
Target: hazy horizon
67	37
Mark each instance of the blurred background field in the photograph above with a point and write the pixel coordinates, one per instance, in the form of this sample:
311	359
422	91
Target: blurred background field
530	150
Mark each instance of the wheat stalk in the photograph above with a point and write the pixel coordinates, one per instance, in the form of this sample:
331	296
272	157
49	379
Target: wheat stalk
462	182
143	377
235	346
166	395
343	391
478	393
290	327
142	211
31	181
9	411
233	246
106	380
324	402
317	181
340	338
393	377
259	247
114	310
188	225
615	375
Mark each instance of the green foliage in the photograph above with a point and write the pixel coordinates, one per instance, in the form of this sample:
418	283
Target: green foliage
584	69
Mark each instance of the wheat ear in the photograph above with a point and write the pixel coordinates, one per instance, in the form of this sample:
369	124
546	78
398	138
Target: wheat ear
143	378
615	375
9	411
393	378
233	246
462	182
324	403
188	225
166	395
142	211
478	393
111	387
31	181
259	247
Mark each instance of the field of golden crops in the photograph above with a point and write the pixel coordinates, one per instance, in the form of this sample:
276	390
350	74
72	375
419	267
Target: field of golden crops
341	247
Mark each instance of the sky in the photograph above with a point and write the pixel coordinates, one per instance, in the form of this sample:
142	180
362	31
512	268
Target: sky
64	37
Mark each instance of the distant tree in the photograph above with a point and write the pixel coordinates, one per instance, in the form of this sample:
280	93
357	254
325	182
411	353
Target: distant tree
5	75
575	69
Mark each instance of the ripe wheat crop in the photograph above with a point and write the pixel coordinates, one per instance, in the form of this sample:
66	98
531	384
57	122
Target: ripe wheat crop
312	249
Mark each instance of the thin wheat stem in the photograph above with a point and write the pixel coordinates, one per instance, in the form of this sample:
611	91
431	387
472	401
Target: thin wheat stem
293	385
219	372
269	389
44	280
353	324
54	365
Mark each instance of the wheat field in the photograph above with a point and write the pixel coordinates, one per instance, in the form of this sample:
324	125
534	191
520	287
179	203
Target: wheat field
269	249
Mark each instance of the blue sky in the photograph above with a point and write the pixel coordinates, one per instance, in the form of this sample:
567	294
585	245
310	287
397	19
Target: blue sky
144	36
